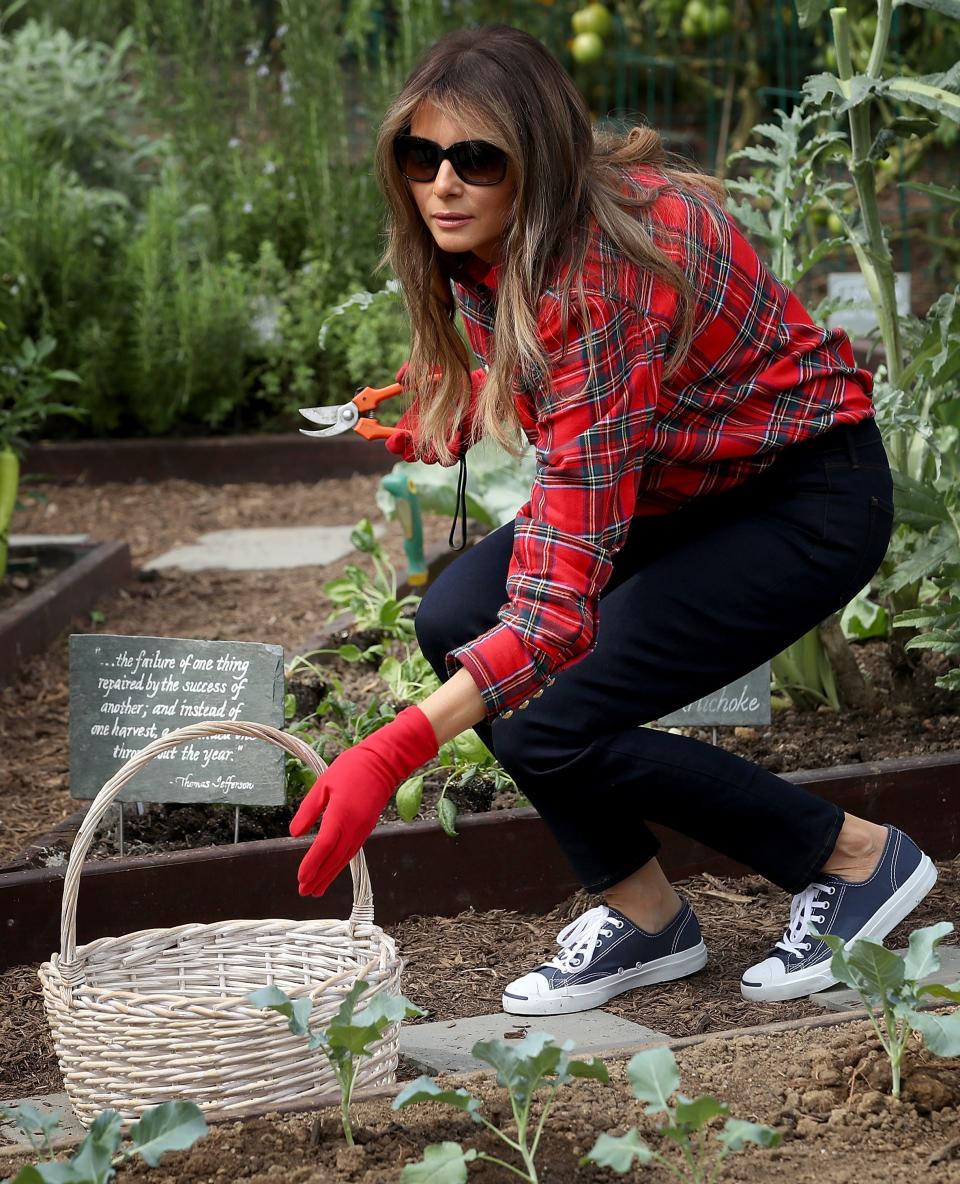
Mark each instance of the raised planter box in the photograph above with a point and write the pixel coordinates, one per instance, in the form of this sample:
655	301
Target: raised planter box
214	461
88	571
505	860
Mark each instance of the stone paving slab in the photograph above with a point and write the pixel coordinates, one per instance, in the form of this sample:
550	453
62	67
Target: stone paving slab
444	1047
841	998
264	549
70	1125
38	540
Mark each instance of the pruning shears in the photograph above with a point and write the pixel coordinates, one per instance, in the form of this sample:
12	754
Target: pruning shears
357	415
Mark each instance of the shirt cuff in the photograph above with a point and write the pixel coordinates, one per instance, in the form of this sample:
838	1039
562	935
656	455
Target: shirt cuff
508	673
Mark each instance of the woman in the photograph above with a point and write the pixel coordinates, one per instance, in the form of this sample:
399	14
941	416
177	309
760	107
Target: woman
710	485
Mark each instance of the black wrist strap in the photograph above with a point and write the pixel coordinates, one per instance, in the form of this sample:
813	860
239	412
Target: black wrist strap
460	510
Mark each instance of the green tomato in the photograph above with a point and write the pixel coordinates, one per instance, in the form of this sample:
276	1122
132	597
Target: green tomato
593	19
586	48
718	20
834	225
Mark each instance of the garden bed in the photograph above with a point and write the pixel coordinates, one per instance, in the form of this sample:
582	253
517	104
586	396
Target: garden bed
825	1089
64	581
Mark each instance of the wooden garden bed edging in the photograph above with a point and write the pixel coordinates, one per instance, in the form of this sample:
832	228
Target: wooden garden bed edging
90	571
506	859
216	460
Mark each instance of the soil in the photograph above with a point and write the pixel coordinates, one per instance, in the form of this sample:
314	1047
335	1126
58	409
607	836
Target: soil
825	1091
454	966
458	966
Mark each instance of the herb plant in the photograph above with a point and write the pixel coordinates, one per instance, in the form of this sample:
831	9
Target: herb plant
522	1069
347	1038
889	982
653	1076
372	600
171	1126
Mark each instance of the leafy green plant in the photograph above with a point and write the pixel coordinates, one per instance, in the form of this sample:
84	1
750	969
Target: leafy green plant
523	1068
349	1035
499	485
26	384
171	1126
372	332
890	982
654	1077
372	600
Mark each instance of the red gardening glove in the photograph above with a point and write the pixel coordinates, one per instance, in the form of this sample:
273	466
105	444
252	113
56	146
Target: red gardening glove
401	443
352	793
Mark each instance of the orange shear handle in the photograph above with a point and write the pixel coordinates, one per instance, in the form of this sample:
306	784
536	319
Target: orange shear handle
368	400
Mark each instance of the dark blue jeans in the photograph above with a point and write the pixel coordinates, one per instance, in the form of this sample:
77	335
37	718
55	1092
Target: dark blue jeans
697	599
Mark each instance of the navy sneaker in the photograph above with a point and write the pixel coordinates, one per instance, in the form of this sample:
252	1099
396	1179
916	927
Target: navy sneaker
799	964
603	954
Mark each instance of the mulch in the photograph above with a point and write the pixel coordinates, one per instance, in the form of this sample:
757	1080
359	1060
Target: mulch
454	966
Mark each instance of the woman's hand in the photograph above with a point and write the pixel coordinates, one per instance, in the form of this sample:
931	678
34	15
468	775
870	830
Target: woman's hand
352	793
401	442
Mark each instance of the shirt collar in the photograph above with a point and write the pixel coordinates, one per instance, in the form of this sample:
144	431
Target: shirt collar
475	273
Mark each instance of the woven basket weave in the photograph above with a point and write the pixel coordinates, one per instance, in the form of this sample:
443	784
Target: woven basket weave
161	1014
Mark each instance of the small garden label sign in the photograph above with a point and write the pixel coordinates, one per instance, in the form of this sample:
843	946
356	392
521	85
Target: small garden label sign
126	692
746	701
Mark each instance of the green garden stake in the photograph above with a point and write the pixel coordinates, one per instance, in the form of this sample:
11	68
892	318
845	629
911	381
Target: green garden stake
408	514
9	480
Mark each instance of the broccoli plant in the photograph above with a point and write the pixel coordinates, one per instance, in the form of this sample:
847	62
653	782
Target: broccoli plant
522	1069
890	983
348	1037
653	1076
172	1126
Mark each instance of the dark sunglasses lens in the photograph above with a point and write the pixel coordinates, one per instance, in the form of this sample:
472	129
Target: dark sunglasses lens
417	159
479	163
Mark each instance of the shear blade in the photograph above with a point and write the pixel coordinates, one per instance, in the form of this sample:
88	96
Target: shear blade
322	415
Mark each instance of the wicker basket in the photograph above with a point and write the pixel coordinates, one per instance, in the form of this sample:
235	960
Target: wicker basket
161	1014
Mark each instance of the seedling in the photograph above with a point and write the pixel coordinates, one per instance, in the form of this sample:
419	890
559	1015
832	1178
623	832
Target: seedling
522	1069
372	600
653	1077
890	983
348	1037
172	1126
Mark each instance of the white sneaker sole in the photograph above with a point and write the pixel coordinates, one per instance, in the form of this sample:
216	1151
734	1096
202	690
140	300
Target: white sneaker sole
586	996
818	978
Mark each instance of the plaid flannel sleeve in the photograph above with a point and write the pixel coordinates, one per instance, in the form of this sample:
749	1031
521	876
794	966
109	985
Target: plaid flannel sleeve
594	416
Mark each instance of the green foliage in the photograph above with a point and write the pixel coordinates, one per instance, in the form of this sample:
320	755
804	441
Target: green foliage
349	1036
780	201
76	104
890	983
171	1126
654	1078
26	384
499	485
523	1068
372	599
372	333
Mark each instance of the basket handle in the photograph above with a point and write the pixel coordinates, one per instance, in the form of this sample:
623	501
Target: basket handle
362	894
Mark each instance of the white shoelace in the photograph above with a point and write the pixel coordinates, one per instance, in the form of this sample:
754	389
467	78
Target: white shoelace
802	915
578	940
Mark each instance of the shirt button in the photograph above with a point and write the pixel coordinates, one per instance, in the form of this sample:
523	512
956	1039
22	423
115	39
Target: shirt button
525	704
506	714
537	694
550	681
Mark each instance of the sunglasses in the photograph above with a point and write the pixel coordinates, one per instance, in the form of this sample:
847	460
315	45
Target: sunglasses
474	161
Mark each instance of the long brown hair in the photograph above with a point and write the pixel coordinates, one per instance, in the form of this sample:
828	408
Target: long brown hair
508	88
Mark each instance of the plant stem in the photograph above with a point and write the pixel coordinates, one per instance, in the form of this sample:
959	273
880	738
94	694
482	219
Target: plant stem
509	1166
9	481
347	1078
873	254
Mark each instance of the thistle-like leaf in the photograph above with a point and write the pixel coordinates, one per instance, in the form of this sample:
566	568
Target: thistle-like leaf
425	1089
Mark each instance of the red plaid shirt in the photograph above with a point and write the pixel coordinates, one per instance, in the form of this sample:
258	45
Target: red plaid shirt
622	441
